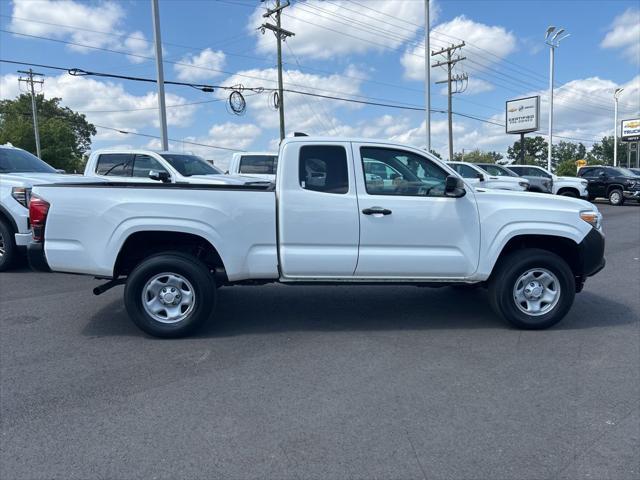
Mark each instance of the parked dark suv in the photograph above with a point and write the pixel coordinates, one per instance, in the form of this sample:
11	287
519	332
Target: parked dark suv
615	183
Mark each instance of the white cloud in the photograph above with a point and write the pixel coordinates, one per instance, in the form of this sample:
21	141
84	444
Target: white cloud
194	68
102	103
486	46
625	35
90	18
326	30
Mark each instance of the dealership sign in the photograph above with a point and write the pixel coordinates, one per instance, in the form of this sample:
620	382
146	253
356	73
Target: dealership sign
523	115
630	130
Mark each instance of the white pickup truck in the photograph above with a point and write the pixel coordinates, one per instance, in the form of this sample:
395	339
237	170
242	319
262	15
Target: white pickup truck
324	221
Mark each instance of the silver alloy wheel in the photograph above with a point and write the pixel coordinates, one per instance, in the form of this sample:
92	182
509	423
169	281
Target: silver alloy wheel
168	297
536	292
615	197
2	247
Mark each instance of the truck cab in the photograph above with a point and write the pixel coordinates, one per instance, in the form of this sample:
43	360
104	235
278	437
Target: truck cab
149	166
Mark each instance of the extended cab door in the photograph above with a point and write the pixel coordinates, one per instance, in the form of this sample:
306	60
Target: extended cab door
409	229
318	221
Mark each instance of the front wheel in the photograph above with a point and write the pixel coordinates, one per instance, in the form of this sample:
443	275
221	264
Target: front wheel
569	193
532	288
170	295
616	197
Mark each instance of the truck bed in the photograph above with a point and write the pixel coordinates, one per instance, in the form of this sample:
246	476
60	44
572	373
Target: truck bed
89	223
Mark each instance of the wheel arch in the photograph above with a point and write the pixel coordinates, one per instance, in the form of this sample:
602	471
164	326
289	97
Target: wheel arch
614	186
569	189
564	247
142	244
6	217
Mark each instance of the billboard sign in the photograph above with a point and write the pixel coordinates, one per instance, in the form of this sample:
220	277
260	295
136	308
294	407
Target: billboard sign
630	130
523	115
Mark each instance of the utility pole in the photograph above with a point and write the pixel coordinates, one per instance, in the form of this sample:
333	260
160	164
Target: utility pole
281	34
32	82
616	96
158	48
449	63
427	76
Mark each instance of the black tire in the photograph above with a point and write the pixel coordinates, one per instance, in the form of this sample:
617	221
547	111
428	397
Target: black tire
569	193
8	248
616	197
198	280
506	276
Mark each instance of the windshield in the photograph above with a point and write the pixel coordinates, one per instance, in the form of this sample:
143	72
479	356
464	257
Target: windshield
496	170
14	160
624	172
188	165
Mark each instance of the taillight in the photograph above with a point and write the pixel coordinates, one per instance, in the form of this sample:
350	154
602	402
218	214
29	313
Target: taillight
38	210
21	195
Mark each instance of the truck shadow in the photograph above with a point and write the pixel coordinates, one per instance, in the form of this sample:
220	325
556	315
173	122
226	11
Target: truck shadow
277	309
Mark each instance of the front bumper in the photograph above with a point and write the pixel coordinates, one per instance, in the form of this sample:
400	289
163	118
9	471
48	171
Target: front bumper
631	194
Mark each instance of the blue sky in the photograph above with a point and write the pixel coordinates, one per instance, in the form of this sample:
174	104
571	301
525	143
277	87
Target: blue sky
360	49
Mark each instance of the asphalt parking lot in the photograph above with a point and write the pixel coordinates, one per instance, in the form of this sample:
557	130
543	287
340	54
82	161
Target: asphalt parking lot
324	383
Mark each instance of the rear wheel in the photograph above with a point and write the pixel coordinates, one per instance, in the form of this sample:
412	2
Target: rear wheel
616	197
8	249
532	288
170	294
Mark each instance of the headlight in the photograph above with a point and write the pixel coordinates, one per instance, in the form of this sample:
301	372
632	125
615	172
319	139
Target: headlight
584	183
524	184
21	195
592	218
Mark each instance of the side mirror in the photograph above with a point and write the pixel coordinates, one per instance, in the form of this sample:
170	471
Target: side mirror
603	175
454	187
480	177
161	176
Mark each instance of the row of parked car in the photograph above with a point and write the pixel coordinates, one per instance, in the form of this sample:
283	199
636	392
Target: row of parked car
19	170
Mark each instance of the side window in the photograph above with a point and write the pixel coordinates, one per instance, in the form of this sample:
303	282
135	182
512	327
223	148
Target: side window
143	164
466	171
412	174
323	168
115	164
265	164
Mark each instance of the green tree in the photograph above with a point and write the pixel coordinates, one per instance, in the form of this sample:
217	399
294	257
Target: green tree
602	152
65	135
535	151
567	168
568	151
477	156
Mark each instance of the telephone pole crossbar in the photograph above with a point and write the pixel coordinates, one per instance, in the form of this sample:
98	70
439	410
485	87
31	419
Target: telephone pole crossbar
449	62
31	82
281	34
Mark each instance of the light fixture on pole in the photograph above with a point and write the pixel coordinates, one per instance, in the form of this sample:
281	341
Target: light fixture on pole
553	37
616	96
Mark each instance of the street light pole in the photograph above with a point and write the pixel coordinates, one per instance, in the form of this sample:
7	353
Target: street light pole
616	95
552	38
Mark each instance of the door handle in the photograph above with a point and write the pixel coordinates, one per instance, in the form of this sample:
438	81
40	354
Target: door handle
376	211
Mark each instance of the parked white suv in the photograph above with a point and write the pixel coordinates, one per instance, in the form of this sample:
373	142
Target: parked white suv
148	166
260	165
19	171
480	178
567	186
